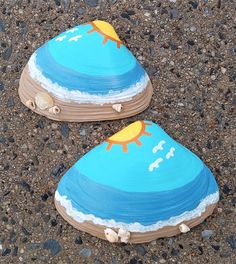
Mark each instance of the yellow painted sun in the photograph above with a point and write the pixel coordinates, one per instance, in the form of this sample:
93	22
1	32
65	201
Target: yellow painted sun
106	30
129	134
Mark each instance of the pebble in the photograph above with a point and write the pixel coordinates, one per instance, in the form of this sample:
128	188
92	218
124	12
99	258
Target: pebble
91	3
2	26
193	29
1	86
10	102
207	233
78	240
223	70
53	246
7	53
97	261
231	241
65	130
58	170
173	13
25	185
82	132
85	252
40	124
141	250
6	252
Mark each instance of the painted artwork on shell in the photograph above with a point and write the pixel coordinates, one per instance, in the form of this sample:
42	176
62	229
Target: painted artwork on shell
84	74
136	186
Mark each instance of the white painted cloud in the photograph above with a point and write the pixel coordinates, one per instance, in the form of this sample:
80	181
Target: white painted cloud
155	164
75	38
60	38
159	146
170	153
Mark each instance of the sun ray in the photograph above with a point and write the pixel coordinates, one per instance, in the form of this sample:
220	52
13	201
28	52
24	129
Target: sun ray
106	30
129	134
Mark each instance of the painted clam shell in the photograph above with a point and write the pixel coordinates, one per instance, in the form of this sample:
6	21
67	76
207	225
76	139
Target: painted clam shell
87	70
139	180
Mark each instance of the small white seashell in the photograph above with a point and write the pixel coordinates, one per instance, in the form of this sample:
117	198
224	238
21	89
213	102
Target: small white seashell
117	107
111	235
43	100
124	235
30	104
54	110
184	228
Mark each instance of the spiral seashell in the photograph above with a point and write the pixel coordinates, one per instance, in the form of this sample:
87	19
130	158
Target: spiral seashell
30	104
54	110
117	107
124	235
43	100
184	228
111	235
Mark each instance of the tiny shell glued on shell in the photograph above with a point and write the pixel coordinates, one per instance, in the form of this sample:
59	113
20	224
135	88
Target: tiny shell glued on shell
43	100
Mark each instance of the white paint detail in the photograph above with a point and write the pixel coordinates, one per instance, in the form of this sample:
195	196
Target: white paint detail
111	235
72	30
184	228
75	38
159	146
170	153
60	38
136	227
77	96
155	164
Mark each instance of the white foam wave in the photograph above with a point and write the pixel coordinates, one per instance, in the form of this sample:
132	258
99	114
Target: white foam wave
65	94
136	227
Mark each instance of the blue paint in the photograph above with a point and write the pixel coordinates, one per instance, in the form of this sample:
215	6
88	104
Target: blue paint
88	65
129	171
107	202
117	185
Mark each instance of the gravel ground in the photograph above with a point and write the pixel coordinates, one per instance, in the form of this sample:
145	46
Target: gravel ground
188	48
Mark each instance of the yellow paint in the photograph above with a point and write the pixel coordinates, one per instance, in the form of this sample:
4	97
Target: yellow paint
128	133
107	29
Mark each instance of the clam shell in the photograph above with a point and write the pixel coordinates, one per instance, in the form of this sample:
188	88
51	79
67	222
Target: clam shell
43	100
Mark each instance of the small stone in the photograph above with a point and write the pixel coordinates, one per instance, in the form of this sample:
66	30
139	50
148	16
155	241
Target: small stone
223	70
44	197
85	252
2	26
40	124
7	53
52	245
226	190
175	252
207	233
78	240
97	261
58	170
1	86
173	13
25	231
193	29
6	252
162	261
194	4
141	250
82	132
215	247
65	130
10	102
231	240
190	42
15	251
91	3
213	77
25	185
